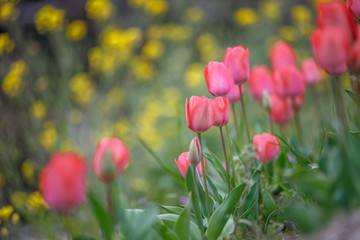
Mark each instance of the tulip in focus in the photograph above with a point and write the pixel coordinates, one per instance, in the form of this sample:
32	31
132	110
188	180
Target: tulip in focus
221	108
110	159
183	164
237	60
234	94
281	110
310	71
282	54
266	147
195	152
219	78
260	80
354	7
199	114
63	181
288	82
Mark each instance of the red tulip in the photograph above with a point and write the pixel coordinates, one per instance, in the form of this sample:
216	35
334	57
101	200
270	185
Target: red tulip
219	78
110	159
234	94
281	110
237	60
183	164
221	108
288	82
310	71
266	147
63	181
282	54
199	114
330	46
354	7
335	14
354	56
260	80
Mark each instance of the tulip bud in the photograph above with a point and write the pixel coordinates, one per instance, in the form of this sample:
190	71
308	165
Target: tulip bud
281	110
194	152
266	101
288	82
183	164
260	80
266	147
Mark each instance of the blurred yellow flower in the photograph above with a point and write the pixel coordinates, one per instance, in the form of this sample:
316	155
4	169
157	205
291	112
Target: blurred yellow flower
301	13
66	145
194	75
101	60
38	110
2	180
6	211
177	33
194	14
206	43
136	3
113	37
288	33
76	30
153	49
82	87
114	98
18	199
142	69
99	9
15	218
6	11
28	169
271	9
156	7
48	136
122	129
13	84
36	204
75	116
6	43
49	19
246	16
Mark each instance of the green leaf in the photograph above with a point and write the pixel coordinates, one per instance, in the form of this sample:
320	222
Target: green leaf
182	224
221	215
172	209
352	96
171	219
217	165
103	218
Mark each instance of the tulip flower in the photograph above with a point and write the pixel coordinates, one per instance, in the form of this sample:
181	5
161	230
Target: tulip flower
260	80
282	54
221	108
288	82
266	147
234	94
310	71
183	164
199	114
63	181
110	159
281	110
237	60
219	78
354	7
330	48
194	152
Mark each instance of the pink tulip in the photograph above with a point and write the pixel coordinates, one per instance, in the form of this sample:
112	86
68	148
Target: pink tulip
63	181
281	110
183	164
330	46
354	7
221	108
110	159
237	60
219	78
288	82
282	54
199	114
234	94
310	71
266	147
354	56
260	80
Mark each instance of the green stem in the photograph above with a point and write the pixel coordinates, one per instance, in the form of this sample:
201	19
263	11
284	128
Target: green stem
230	151
204	177
244	114
195	182
109	197
297	121
271	123
236	124
342	101
226	159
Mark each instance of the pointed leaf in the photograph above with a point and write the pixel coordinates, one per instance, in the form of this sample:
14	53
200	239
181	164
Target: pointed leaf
182	224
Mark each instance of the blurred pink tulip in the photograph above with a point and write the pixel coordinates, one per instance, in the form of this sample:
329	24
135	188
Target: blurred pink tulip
310	71
260	80
354	7
298	102
266	147
237	60
221	108
288	82
281	110
354	55
282	54
183	164
199	114
234	94
219	78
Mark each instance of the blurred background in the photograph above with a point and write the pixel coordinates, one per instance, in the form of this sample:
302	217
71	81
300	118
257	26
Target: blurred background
73	72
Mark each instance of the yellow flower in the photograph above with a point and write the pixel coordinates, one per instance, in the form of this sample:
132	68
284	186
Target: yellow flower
49	19
177	33
194	75
288	33
48	136
136	3
6	43
6	11
153	49
36	204
6	211
101	60
246	16
82	87
271	9
75	116
15	218
194	14
206	43
12	84
142	69
76	30
99	9
38	110
113	37
28	169
301	13
156	7
18	199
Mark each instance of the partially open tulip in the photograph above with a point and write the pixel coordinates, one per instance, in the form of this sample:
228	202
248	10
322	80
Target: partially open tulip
195	152
281	110
234	94
354	7
266	147
221	108
219	78
260	81
63	181
310	71
237	60
183	163
282	54
288	82
330	48
110	159
199	114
